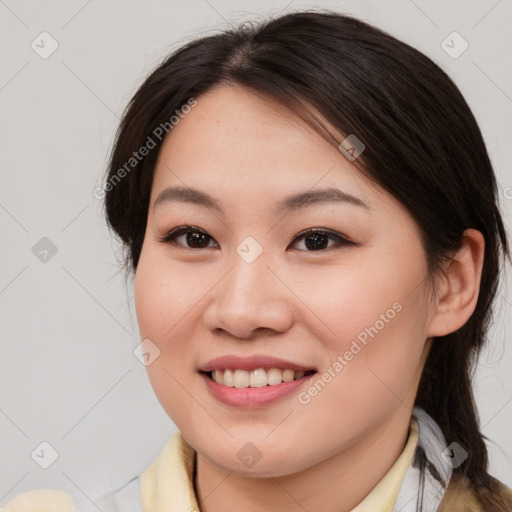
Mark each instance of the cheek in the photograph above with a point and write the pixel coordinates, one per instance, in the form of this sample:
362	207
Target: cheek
353	302
383	289
375	318
165	295
164	299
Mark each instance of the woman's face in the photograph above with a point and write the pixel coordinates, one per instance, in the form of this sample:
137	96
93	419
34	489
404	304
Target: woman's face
247	293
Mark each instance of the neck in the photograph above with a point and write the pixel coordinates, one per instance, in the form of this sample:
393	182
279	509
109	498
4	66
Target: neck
337	484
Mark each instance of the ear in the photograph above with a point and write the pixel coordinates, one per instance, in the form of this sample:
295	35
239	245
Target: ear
459	286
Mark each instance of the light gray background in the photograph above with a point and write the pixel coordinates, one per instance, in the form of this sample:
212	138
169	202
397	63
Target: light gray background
68	327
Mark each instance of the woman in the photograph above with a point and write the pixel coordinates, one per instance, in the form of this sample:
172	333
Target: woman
310	214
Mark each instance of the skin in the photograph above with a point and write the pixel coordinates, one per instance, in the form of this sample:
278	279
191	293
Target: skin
292	302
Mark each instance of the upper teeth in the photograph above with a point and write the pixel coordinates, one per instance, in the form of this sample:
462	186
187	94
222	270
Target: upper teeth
256	378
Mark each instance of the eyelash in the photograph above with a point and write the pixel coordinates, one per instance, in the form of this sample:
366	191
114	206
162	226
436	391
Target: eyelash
170	237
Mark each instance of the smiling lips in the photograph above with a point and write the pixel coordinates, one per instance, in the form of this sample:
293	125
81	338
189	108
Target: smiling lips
253	372
257	378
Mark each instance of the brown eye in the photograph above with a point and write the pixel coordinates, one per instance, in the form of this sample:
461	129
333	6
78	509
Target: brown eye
191	237
318	240
197	239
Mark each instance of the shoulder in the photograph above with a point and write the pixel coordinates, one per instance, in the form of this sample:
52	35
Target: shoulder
40	500
123	499
461	496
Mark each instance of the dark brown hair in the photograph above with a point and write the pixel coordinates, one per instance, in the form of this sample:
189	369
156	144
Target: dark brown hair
422	145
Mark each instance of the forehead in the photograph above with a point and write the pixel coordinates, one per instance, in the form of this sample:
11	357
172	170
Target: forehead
240	143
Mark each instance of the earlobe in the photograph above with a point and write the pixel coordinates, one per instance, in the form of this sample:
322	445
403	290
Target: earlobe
459	287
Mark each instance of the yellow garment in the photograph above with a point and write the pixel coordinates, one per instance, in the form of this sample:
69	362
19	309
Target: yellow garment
168	484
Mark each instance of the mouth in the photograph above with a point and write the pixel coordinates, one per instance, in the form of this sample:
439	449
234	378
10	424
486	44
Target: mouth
257	378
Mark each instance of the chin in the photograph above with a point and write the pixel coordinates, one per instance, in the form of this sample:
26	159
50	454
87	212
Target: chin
274	466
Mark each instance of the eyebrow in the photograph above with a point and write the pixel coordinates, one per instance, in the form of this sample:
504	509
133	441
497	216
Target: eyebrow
290	203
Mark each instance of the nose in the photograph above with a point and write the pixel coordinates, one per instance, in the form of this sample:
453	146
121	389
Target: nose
249	301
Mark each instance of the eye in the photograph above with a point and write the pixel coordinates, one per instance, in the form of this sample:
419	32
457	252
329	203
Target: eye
318	239
195	237
192	237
